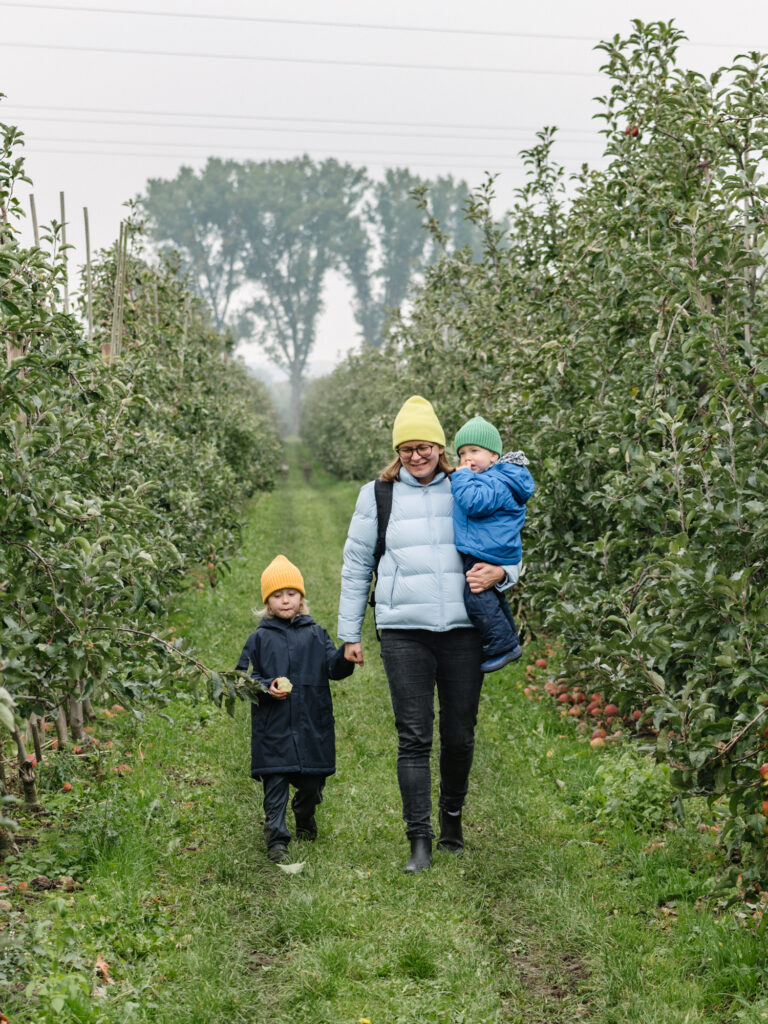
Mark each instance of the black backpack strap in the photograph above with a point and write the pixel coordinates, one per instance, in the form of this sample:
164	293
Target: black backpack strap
382	491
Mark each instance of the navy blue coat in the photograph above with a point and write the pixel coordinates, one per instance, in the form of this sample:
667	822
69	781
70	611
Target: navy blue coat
489	511
295	734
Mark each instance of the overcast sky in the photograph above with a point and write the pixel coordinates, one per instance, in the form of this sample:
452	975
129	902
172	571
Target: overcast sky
112	92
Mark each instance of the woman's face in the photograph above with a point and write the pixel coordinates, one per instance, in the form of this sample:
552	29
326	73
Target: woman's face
419	462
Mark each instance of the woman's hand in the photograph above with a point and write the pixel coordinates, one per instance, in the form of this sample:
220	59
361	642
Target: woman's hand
354	652
274	692
483	576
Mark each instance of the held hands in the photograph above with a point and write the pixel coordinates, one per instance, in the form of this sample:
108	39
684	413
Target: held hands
354	652
484	576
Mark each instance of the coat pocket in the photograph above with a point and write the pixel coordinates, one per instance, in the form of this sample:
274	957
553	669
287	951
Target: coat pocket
392	588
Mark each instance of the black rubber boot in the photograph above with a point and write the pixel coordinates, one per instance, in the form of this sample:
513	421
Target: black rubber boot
277	852
421	855
451	837
306	829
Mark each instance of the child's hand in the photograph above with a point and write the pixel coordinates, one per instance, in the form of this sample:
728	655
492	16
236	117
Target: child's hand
274	692
354	652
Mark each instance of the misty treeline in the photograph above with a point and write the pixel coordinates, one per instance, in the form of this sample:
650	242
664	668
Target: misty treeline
620	337
259	239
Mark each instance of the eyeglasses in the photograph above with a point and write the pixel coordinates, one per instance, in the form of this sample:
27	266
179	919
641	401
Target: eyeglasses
422	450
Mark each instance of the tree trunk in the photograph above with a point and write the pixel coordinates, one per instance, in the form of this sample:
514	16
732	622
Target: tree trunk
7	845
62	731
76	723
297	385
88	711
26	774
35	724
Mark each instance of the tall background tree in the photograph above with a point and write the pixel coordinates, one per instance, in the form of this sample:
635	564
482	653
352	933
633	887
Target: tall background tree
259	239
194	214
295	219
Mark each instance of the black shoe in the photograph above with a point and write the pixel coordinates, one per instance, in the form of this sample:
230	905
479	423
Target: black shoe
421	855
451	838
277	852
306	830
494	664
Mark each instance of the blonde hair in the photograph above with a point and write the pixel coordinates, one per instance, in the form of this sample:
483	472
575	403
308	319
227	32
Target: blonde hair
392	471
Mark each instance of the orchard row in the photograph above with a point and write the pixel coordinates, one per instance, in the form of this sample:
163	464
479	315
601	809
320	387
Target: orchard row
620	337
129	440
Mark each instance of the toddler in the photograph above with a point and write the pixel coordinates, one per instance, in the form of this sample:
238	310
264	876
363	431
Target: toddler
490	492
292	736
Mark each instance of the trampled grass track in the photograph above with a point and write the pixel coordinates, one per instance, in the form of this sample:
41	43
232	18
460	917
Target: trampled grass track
542	920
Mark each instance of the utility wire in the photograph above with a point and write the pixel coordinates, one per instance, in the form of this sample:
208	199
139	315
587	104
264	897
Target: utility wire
302	22
299	22
269	59
262	149
529	129
460	162
58	119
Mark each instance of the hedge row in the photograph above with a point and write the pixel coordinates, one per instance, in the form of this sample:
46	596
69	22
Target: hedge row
621	338
125	459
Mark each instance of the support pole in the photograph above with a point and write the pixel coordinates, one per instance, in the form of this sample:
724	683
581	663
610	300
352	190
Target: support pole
64	251
88	273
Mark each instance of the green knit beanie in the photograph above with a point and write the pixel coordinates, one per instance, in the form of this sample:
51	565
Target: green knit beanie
480	432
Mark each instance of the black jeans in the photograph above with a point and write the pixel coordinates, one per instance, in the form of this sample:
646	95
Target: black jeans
490	614
309	793
416	660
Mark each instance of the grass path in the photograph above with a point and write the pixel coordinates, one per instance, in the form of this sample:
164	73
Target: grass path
542	920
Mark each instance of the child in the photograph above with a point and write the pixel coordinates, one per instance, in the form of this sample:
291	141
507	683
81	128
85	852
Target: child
490	492
292	737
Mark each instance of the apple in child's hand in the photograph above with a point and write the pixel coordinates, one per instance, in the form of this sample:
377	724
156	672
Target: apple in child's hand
283	684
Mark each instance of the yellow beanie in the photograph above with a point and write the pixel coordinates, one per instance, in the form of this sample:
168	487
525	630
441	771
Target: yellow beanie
417	421
281	574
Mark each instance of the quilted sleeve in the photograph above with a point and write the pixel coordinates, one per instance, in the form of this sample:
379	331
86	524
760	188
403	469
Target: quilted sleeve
357	571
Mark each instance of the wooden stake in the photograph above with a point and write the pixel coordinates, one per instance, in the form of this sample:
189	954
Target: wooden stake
35	228
88	274
109	350
64	251
123	283
184	331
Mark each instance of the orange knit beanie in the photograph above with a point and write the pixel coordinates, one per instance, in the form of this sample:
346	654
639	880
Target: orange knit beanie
281	574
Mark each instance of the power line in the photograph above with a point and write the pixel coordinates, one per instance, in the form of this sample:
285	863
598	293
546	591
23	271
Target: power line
258	149
280	118
323	61
58	119
460	162
301	22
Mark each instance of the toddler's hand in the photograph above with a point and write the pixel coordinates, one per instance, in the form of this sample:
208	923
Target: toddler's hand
354	652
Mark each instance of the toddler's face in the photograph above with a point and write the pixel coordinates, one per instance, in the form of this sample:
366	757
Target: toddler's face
284	604
476	458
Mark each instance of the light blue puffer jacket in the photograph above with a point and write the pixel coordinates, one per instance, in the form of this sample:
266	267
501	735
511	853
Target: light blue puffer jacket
421	578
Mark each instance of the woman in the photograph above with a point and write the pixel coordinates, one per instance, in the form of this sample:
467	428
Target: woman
427	639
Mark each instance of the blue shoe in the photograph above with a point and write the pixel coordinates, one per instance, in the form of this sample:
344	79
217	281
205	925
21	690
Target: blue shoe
494	664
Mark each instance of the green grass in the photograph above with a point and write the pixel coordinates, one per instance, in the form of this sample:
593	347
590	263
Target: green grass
543	919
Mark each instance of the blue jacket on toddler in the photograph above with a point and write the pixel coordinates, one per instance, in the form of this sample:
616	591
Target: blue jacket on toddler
489	510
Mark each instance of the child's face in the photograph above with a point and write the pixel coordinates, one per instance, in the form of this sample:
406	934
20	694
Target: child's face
476	458
284	604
